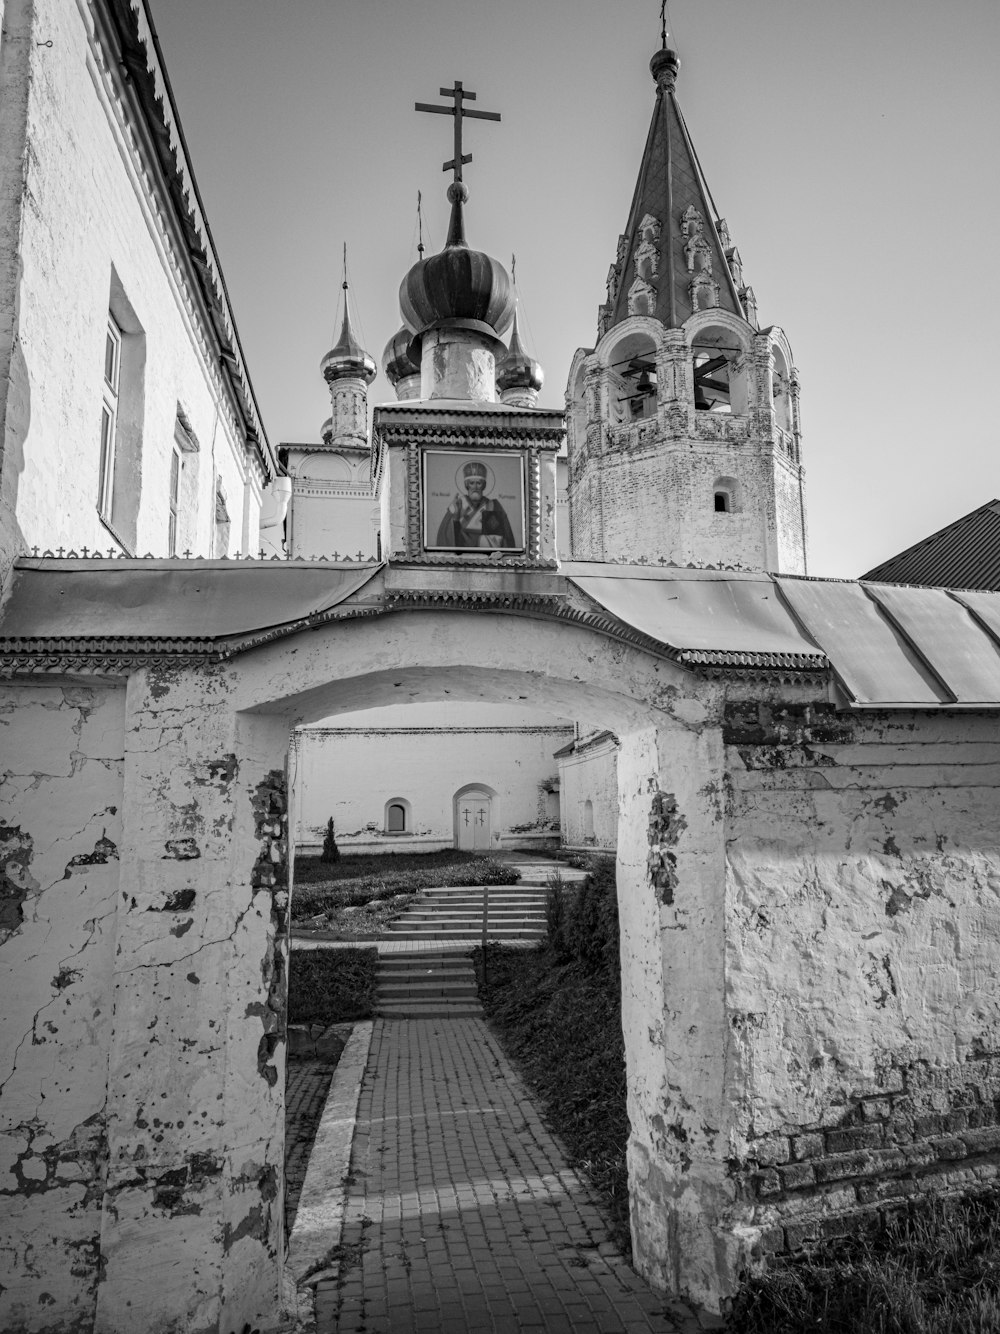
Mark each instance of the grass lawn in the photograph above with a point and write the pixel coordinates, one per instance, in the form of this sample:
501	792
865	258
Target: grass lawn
358	896
935	1270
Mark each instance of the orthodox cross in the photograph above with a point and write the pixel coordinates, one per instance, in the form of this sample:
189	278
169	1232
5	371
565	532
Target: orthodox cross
458	94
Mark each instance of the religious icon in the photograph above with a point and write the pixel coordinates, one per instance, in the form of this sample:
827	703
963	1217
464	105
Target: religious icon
473	502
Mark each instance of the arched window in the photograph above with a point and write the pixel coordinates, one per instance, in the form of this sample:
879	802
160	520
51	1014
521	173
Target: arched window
397	816
726	495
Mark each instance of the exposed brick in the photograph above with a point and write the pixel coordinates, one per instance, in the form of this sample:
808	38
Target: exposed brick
796	1176
808	1146
771	1240
949	1147
957	1120
766	1183
875	1109
770	1151
858	1137
798	1235
982	1141
925	1126
845	1165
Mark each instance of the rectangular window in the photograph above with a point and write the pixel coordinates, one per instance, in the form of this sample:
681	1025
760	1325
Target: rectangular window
109	417
175	496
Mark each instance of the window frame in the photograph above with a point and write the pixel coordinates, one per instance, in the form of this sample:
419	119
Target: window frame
174	499
110	393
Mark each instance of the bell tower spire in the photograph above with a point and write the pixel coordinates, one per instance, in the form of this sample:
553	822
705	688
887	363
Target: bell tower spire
684	433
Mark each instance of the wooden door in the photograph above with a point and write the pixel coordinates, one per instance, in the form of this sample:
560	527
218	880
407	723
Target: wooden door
474	832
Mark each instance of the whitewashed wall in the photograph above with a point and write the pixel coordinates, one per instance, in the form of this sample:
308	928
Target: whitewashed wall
423	755
88	222
61	796
589	773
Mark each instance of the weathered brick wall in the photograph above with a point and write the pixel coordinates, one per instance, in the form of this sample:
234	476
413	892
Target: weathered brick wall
60	832
863	932
657	500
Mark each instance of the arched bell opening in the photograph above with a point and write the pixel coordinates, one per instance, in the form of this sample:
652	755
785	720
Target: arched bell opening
781	389
719	371
633	379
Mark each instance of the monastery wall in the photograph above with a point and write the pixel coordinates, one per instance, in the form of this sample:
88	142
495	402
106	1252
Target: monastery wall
352	774
63	750
863	879
590	775
92	240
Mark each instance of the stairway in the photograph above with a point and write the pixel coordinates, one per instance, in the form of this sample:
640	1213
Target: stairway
515	912
439	984
435	979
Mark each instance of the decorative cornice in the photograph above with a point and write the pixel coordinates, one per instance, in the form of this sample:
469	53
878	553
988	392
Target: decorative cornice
126	47
501	436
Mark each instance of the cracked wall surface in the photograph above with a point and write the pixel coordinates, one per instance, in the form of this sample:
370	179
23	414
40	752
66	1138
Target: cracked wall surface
863	897
192	1229
60	831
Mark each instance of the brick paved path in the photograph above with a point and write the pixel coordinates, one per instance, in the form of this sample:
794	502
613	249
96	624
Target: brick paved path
461	1213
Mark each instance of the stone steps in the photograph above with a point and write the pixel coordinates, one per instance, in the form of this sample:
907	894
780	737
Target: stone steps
425	985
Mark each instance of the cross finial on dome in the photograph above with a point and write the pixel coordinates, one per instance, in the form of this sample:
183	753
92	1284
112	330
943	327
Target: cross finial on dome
457	191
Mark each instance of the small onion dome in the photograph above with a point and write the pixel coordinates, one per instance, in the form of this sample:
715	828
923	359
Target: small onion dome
517	370
457	286
326	431
347	359
396	360
664	68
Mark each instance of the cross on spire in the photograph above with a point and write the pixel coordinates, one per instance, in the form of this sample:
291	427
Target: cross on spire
458	95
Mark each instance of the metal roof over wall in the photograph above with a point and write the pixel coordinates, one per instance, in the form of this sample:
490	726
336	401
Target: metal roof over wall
889	646
965	554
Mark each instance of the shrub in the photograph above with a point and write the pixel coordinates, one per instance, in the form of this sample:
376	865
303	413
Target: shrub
591	928
331	986
330	853
555	916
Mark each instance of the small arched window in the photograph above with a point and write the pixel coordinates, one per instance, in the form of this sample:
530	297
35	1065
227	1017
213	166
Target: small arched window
588	819
395	818
721	502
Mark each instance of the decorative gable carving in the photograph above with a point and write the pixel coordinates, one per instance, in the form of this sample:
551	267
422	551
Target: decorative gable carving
697	250
641	297
646	256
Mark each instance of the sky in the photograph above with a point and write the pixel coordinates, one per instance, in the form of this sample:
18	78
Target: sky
851	146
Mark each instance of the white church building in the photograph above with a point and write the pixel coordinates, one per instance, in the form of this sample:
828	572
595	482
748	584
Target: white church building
479	622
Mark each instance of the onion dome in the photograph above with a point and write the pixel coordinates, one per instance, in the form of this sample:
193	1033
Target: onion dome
458	286
396	360
326	431
347	359
517	370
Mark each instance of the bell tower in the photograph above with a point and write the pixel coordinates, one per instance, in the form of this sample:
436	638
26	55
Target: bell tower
684	434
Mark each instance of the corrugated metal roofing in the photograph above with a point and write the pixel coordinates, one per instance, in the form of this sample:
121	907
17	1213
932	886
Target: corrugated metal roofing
966	554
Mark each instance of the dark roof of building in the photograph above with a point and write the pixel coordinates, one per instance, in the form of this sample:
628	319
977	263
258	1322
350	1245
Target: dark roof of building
888	646
965	554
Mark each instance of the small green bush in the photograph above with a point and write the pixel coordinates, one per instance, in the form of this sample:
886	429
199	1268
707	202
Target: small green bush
555	916
590	927
330	853
331	986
